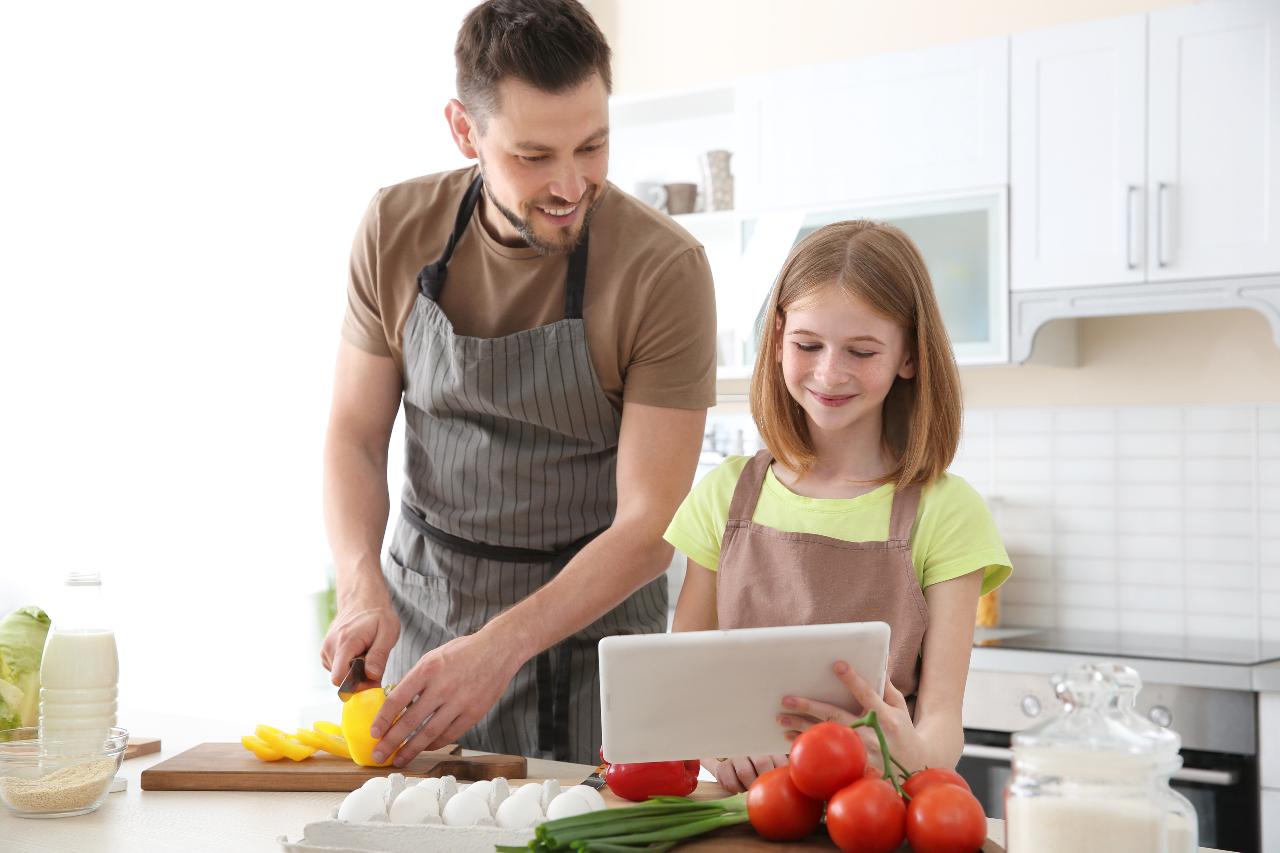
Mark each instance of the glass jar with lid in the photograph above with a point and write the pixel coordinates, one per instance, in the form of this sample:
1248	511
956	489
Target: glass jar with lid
1096	776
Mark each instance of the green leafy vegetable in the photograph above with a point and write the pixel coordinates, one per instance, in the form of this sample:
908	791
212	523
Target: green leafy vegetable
22	635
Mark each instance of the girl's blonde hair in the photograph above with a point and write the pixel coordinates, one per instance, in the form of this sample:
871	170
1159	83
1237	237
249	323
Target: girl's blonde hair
879	264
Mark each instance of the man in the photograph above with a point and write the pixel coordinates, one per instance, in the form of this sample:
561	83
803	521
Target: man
552	340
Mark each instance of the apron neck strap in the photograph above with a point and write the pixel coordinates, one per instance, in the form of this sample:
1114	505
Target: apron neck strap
747	493
575	285
903	514
431	278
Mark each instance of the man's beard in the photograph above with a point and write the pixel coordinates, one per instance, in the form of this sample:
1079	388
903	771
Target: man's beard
568	241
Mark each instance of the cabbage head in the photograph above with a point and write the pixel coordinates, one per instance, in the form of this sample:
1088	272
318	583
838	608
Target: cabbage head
22	635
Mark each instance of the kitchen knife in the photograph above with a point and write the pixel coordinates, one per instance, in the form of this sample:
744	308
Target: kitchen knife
355	680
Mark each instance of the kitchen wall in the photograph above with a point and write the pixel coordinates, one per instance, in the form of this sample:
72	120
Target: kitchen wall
1221	356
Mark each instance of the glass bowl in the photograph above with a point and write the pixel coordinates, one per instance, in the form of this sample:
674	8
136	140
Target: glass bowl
57	778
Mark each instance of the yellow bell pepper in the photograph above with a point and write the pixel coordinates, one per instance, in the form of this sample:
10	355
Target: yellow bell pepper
332	744
285	744
328	728
260	748
357	716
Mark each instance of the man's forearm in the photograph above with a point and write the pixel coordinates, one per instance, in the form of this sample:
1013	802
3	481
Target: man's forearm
355	511
601	575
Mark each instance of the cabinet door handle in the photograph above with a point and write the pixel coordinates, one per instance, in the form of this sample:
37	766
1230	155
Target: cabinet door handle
1160	194
1132	192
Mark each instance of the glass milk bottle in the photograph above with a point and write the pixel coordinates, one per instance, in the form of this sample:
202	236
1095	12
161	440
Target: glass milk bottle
79	671
1088	779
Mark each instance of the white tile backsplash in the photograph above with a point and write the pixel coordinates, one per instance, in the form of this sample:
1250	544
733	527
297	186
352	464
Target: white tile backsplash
1145	519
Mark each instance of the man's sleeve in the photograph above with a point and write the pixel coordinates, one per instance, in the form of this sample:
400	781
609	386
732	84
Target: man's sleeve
363	325
674	360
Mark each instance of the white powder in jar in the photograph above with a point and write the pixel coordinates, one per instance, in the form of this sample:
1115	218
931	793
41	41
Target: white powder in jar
66	789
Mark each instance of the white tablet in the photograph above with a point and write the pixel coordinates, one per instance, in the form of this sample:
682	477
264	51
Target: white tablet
698	694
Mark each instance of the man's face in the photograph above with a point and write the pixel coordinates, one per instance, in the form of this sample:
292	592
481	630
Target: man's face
544	159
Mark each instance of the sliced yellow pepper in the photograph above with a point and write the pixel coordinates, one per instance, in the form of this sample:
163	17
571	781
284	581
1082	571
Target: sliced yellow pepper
332	744
328	727
260	748
285	744
358	713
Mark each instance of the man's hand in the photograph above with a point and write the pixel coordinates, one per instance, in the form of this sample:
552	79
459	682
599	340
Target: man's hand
456	685
368	626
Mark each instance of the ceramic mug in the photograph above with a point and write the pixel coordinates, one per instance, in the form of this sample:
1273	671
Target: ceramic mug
681	198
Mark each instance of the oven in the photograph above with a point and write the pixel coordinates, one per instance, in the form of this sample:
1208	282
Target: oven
1219	735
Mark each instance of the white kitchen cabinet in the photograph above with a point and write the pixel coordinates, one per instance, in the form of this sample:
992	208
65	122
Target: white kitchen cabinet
1147	149
871	127
1214	140
1078	157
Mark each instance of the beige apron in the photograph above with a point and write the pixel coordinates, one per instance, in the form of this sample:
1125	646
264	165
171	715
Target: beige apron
771	577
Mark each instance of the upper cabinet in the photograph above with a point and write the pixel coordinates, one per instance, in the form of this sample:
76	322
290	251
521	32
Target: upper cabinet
1213	166
1078	159
1145	148
885	126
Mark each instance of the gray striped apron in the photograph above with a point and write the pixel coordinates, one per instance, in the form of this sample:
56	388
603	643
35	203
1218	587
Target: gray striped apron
510	454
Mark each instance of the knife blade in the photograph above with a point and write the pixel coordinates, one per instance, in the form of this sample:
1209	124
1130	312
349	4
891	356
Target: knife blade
355	680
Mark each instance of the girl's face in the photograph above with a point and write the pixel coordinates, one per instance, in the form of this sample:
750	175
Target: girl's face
840	357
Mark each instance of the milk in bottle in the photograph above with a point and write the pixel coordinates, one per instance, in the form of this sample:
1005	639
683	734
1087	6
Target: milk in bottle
79	671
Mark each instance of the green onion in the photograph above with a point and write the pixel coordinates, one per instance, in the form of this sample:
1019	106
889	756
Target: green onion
654	826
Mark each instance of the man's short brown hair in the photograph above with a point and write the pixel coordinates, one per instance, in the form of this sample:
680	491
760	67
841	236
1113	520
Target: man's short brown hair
553	45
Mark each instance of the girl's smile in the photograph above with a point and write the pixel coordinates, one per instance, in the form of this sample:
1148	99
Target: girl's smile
830	399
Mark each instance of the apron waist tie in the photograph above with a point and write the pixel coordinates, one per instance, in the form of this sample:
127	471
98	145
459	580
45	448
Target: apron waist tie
484	551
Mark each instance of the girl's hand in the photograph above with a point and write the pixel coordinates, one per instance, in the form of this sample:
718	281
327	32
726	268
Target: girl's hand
737	774
908	747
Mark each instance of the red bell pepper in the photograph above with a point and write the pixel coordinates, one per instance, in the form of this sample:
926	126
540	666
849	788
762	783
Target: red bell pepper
640	781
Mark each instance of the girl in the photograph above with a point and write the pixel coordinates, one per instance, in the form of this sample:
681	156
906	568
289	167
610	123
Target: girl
849	515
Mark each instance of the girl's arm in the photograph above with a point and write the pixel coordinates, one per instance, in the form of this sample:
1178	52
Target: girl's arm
948	643
696	607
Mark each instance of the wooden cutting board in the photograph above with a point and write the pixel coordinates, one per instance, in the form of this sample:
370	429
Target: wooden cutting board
141	746
231	767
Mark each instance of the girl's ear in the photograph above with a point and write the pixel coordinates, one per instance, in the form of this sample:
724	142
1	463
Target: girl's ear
908	369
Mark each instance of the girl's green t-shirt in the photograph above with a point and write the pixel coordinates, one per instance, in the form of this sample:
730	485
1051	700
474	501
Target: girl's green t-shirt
953	534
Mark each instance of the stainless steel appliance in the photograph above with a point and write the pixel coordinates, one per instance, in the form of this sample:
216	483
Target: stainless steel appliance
1218	729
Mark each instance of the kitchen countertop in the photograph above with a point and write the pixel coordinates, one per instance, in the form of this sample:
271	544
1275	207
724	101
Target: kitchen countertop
1260	677
137	821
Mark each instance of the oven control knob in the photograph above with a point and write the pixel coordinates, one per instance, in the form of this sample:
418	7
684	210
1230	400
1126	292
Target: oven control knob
1031	705
1160	715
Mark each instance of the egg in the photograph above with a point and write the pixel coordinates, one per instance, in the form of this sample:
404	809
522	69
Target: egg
591	795
481	789
519	812
567	805
466	810
431	784
377	783
362	804
415	805
530	791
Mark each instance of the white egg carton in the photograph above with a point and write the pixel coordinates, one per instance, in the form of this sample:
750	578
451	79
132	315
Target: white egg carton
391	815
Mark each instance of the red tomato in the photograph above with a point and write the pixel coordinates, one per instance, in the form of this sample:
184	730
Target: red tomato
945	819
867	817
778	810
640	781
826	758
931	776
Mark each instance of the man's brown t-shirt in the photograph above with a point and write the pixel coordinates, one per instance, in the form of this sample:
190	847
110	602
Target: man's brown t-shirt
649	306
